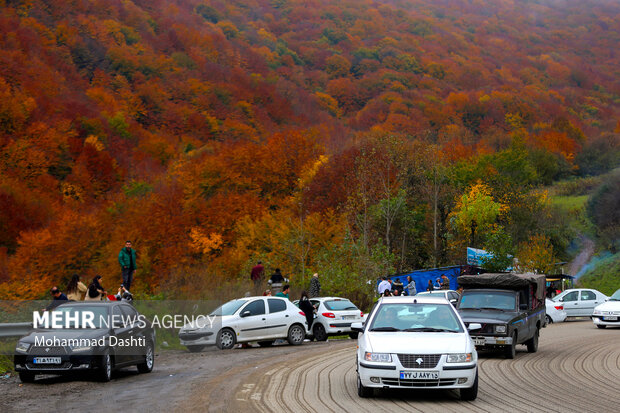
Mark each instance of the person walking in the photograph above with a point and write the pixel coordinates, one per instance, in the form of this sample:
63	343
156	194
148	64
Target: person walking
306	306
57	298
76	289
256	275
127	260
384	285
315	286
96	291
430	287
411	290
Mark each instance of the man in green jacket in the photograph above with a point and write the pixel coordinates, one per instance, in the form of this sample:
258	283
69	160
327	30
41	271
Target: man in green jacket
284	292
127	260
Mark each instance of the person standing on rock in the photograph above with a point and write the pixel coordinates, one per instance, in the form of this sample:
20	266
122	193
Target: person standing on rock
127	260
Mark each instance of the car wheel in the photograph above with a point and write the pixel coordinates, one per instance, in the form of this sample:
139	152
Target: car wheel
105	368
225	339
319	332
354	335
265	343
149	359
195	349
361	390
532	343
296	335
601	325
471	393
511	351
549	319
26	377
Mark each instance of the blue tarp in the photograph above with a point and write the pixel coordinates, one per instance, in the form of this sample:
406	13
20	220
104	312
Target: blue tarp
421	277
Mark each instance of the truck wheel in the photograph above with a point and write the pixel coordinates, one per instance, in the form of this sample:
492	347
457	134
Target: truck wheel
510	351
532	343
470	393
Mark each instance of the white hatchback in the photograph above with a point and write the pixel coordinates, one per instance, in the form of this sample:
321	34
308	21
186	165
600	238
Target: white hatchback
554	312
608	313
334	316
416	342
248	319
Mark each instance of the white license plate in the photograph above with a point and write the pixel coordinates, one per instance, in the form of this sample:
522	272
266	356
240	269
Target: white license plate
348	317
47	360
610	318
479	341
430	375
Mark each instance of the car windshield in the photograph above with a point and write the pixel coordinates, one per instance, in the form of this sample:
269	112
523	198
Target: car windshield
339	305
488	300
70	316
615	296
229	308
416	317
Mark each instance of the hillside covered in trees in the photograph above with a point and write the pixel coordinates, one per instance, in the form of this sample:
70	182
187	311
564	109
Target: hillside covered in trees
353	137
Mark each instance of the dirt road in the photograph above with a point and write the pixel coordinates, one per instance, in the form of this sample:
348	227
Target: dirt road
577	369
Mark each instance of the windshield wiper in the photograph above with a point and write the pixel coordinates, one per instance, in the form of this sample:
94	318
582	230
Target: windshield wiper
350	308
491	308
385	329
431	330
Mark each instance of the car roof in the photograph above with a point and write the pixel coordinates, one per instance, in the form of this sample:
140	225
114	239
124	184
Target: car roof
95	303
329	298
411	299
435	292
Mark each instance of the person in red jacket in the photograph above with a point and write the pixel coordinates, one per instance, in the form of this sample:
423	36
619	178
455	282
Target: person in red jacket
256	275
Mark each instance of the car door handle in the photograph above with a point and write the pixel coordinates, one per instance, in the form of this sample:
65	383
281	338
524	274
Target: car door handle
286	315
264	319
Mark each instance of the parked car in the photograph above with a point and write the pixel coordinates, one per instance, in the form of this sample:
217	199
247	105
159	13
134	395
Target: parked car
555	312
580	302
120	338
510	307
249	319
608	313
449	295
416	342
334	316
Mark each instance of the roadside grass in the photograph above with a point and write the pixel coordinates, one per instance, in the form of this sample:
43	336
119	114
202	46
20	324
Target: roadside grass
574	209
603	275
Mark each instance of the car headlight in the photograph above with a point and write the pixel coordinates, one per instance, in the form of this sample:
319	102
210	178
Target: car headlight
500	329
81	348
378	357
458	358
22	347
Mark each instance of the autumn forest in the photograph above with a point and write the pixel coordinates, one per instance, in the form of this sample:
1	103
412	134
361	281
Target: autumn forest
355	138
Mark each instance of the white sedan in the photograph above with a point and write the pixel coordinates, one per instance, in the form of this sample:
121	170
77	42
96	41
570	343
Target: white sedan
608	313
554	312
249	319
416	342
580	302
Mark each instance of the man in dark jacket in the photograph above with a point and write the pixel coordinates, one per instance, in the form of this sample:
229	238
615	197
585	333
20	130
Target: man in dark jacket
127	260
58	298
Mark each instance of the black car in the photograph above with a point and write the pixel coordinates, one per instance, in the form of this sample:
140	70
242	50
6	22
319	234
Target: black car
509	307
96	337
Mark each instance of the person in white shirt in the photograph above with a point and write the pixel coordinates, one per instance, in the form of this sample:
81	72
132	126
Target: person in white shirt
384	285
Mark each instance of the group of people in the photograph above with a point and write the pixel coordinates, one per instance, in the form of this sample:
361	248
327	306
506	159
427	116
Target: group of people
388	287
277	279
77	291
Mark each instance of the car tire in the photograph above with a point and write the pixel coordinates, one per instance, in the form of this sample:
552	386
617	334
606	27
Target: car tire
354	335
362	391
511	351
149	359
470	393
225	339
296	335
26	377
549	319
195	349
532	343
265	343
105	368
601	325
319	332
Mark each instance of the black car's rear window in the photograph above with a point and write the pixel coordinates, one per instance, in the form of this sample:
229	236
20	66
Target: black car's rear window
339	305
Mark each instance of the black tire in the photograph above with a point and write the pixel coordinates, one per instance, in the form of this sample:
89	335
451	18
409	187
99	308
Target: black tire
195	349
149	359
511	351
225	339
361	390
265	343
354	335
470	393
319	332
104	374
296	335
601	325
26	377
549	319
532	343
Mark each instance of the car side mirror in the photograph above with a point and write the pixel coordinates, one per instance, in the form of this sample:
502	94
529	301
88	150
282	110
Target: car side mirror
474	326
359	327
245	313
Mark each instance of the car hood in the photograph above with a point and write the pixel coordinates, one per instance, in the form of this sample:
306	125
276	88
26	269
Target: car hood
487	316
608	306
84	333
418	343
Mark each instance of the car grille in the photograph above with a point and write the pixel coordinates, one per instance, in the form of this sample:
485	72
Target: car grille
53	351
428	360
64	366
418	383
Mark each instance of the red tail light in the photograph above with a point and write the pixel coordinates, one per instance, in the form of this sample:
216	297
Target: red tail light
302	313
362	314
559	307
329	315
